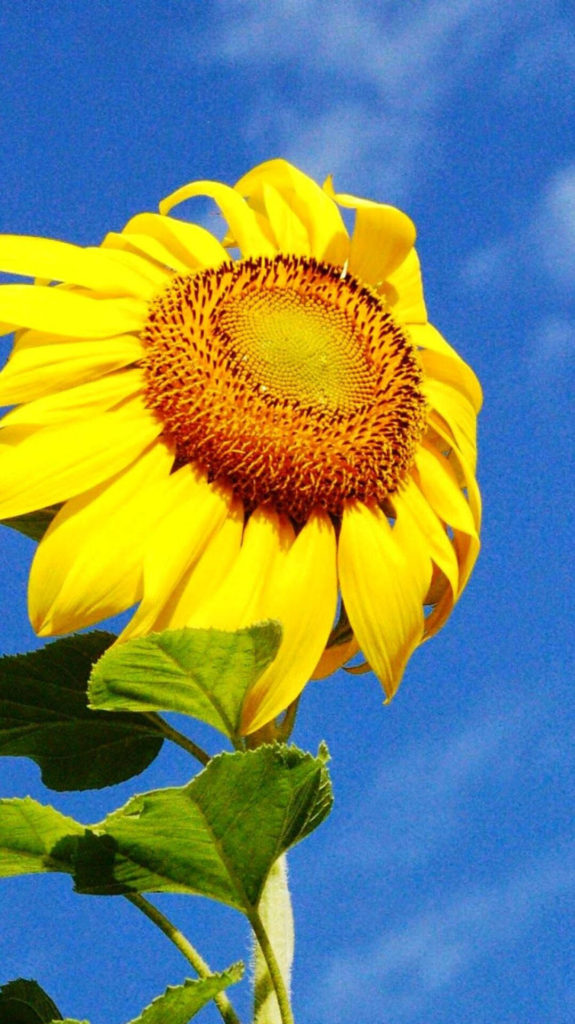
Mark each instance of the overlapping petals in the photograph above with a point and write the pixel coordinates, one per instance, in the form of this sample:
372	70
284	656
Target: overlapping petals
136	528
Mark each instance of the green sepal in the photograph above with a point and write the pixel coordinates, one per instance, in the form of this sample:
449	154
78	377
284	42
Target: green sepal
179	1003
24	1002
204	673
216	837
32	524
44	715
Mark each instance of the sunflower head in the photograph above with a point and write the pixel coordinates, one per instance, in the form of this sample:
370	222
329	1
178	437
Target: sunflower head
262	427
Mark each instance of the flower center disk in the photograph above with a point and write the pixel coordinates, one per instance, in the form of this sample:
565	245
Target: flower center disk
286	379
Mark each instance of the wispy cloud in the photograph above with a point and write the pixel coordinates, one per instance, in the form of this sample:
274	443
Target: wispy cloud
368	81
423	796
544	246
413	965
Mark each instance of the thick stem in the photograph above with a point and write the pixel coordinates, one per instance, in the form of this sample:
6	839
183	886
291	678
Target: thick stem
274	946
185	947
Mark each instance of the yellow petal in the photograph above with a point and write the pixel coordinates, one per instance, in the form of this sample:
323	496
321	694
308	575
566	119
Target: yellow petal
439	485
466	470
458	413
193	511
404	288
205	577
46	466
453	372
334	657
191	244
242	221
328	239
132	244
42	363
61	261
138	263
382	237
289	233
65	312
88	565
301	593
413	509
383	592
234	604
467	550
78	403
428	338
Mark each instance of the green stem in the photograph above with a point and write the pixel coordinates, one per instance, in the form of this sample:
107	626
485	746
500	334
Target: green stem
185	947
272	922
179	738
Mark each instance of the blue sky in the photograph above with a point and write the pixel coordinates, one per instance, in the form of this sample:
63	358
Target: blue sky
442	887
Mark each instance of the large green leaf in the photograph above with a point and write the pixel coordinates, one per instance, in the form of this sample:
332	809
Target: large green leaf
29	833
205	673
217	837
180	1003
24	1002
44	715
33	524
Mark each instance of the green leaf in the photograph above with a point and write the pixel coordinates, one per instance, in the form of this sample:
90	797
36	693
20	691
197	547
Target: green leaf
33	524
44	715
24	1002
180	1003
29	834
216	837
205	673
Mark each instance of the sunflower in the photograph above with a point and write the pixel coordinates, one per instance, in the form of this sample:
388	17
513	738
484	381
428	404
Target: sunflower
263	427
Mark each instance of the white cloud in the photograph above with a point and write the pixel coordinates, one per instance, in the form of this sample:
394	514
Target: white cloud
422	796
369	82
553	351
554	227
412	965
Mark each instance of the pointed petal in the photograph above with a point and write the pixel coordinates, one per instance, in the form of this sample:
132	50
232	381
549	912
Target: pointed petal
138	263
41	364
243	222
439	484
327	235
77	403
46	466
289	233
383	591
457	412
382	237
234	604
412	508
404	289
190	243
301	593
205	577
453	372
193	511
71	264
65	312
132	244
466	472
88	565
